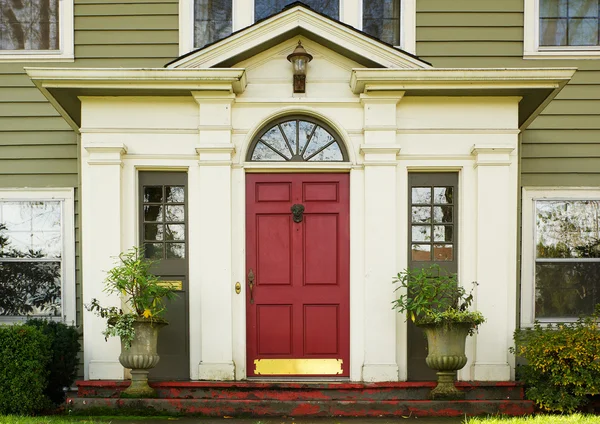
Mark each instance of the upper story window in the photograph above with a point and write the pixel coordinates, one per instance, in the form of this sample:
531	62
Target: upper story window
36	29
37	250
561	235
203	22
381	19
562	27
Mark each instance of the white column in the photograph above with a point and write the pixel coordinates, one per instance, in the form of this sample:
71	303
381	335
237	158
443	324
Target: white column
380	151
212	292
496	260
101	243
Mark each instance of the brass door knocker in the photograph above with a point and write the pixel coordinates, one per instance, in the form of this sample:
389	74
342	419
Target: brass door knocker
297	212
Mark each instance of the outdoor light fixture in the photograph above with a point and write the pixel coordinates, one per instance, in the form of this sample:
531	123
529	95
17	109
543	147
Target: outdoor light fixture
299	59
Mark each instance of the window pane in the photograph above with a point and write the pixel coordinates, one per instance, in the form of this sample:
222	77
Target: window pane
175	213
381	19
421	195
553	32
265	8
153	213
30	229
319	140
154	232
274	139
442	195
175	232
153	194
442	232
566	289
553	8
583	8
289	129
421	252
153	250
175	250
421	233
583	32
263	153
331	153
421	214
568	229
174	194
30	288
29	25
443	252
306	129
212	21
442	214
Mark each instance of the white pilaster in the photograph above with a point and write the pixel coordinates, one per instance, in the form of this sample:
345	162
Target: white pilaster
380	151
101	243
212	293
496	260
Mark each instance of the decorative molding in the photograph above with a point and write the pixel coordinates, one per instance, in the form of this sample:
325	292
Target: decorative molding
105	153
380	149
139	131
492	155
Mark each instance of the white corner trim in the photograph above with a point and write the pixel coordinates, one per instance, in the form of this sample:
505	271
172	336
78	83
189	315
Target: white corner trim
186	26
66	53
492	155
531	39
408	25
66	195
529	196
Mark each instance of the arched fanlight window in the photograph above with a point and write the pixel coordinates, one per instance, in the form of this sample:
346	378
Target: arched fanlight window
297	139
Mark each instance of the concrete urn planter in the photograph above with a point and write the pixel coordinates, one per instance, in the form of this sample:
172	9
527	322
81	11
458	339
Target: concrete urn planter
446	355
141	356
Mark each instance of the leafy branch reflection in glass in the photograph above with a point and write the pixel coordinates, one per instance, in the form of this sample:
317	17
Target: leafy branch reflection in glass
30	258
298	140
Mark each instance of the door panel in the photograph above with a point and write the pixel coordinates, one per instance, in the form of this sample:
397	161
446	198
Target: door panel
163	232
298	307
433	230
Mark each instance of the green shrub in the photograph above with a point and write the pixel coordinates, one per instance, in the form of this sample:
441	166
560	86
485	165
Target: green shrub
562	363
64	346
24	356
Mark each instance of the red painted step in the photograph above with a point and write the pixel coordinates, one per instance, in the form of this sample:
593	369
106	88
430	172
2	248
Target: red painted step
326	408
340	391
302	399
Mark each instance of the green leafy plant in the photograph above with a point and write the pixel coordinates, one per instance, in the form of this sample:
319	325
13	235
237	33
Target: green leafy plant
24	357
145	295
64	348
432	295
562	362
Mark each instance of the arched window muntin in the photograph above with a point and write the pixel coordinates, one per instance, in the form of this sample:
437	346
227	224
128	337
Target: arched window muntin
297	138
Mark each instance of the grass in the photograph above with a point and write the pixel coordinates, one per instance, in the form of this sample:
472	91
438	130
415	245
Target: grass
538	419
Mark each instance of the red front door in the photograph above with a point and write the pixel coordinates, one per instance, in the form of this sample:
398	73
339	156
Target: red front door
298	266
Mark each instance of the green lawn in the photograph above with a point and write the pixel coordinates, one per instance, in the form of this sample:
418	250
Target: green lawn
539	419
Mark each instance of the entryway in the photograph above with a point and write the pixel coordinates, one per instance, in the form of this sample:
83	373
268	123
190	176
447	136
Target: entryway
298	279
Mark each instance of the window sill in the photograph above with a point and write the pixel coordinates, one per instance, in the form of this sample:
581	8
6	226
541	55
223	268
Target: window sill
592	53
33	57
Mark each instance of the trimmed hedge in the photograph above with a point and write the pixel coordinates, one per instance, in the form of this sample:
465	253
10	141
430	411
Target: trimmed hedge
64	347
563	363
24	356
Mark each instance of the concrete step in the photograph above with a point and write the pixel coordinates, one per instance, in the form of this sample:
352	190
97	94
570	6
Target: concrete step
296	408
303	391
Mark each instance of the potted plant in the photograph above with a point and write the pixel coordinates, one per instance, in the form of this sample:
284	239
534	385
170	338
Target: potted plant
138	325
435	301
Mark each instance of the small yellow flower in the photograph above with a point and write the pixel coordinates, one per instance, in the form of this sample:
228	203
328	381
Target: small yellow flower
147	313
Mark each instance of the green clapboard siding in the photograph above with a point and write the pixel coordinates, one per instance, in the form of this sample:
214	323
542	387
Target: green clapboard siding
37	147
562	146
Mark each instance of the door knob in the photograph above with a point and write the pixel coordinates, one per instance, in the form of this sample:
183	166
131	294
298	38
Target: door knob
251	284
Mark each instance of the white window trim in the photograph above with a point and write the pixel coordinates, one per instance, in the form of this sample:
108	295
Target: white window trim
67	198
66	38
531	39
530	195
243	18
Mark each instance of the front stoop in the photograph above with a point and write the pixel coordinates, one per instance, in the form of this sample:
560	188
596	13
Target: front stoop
396	399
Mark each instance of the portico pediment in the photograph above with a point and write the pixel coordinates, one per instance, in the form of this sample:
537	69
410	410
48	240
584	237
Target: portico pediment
298	20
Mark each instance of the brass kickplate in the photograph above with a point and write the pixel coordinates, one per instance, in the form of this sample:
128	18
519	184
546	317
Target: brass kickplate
298	366
175	285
